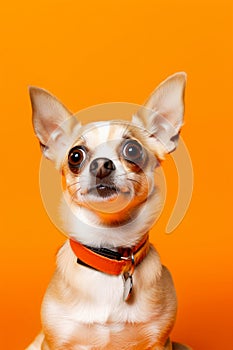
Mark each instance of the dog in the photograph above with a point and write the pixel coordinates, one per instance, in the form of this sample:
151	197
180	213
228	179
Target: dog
109	290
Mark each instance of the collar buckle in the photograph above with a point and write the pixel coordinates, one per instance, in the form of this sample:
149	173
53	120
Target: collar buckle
127	277
132	266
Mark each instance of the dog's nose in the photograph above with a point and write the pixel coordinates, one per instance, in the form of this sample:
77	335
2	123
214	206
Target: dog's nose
101	167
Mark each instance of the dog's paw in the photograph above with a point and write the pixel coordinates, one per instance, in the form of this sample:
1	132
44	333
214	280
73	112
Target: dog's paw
177	346
37	343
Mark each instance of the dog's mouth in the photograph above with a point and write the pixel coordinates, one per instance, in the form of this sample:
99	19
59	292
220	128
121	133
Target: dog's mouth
108	191
108	198
104	190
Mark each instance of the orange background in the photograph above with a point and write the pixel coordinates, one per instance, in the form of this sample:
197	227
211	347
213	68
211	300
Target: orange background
89	52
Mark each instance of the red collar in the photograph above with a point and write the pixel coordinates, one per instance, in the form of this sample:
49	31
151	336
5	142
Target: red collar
111	262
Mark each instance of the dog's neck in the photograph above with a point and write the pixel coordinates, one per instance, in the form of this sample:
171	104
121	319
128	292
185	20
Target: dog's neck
81	225
109	261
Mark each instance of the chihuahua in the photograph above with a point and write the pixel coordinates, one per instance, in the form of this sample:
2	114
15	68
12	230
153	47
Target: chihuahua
109	290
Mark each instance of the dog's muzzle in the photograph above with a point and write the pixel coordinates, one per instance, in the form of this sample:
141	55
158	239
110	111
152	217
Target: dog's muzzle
101	169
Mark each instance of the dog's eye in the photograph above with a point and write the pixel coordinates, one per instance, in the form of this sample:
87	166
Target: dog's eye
76	157
133	151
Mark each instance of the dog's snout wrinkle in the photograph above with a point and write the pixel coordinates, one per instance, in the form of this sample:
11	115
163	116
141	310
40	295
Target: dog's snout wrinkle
102	167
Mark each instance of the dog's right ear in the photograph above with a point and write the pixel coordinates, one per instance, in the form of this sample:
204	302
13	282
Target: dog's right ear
52	121
162	114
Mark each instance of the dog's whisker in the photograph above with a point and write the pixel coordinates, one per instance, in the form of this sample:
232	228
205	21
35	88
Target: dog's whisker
74	194
133	180
124	174
73	184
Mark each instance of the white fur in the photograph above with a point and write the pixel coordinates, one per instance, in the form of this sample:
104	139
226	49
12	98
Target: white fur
78	221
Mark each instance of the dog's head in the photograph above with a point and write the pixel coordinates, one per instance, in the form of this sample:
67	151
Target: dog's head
108	167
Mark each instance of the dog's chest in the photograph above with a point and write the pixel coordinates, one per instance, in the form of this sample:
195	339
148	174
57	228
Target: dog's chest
83	306
100	319
89	296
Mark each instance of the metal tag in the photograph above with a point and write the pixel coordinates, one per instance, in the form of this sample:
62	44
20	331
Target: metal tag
128	287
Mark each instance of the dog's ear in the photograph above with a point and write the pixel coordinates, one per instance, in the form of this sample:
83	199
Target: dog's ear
162	114
52	121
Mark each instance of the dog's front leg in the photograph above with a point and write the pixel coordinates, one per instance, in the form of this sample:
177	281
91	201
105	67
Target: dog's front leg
45	345
167	346
37	343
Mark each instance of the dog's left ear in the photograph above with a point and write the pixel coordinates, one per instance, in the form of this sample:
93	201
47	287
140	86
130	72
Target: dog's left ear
52	121
162	114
